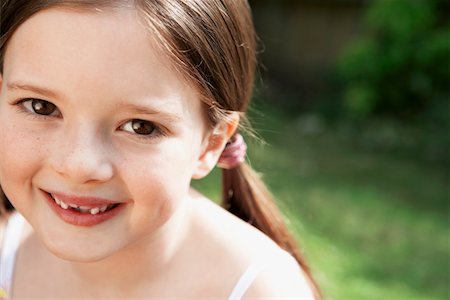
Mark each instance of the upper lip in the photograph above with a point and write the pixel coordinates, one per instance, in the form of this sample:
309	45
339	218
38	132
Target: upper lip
86	201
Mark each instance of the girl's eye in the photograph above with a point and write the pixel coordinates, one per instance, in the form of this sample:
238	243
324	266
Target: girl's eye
40	107
140	127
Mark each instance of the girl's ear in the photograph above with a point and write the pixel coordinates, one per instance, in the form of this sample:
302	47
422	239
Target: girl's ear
215	142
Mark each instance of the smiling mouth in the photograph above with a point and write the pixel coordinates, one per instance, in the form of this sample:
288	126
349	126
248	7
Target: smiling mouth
83	209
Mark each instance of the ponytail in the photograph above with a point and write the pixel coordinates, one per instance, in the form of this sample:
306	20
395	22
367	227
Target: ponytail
246	196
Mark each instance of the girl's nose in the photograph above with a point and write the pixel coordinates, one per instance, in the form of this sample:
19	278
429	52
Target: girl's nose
83	159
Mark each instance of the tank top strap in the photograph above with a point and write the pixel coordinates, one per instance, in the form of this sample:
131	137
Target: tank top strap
247	279
253	270
11	242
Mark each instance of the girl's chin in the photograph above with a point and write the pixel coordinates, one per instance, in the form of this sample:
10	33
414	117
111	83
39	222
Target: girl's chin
75	256
83	252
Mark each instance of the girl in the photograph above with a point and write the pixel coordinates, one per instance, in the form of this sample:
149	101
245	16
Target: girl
108	109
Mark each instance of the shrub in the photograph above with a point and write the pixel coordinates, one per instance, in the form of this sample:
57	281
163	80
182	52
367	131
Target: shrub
400	67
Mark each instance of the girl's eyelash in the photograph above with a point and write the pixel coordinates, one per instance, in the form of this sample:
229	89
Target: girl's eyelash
30	112
156	132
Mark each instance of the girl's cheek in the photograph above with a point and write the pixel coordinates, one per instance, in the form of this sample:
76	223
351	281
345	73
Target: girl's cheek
21	148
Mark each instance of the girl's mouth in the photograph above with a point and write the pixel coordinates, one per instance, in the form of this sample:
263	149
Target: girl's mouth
82	211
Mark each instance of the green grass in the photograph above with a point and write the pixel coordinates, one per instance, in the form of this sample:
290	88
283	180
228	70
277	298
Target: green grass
373	224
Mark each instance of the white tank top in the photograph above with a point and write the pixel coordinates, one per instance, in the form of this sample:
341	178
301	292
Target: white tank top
11	242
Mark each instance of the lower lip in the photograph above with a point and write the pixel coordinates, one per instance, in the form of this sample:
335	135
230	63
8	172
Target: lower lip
81	219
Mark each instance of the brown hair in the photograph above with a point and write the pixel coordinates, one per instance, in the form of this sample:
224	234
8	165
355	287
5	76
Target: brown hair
213	43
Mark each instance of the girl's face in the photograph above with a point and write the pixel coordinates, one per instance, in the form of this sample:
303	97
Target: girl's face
91	113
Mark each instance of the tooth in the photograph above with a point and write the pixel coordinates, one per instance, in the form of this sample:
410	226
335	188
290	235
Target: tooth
103	208
57	200
84	210
95	210
64	205
73	205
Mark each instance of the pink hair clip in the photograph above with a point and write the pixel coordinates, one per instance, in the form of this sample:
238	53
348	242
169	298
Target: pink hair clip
234	153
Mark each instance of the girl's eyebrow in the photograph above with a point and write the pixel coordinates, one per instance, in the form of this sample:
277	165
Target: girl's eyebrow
141	109
32	88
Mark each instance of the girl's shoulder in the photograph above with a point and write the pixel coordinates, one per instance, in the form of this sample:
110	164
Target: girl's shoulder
236	237
251	257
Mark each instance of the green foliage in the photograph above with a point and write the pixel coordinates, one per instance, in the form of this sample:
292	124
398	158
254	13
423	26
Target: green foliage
401	66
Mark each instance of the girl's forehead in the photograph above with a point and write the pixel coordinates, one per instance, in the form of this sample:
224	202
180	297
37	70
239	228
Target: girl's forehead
108	51
107	41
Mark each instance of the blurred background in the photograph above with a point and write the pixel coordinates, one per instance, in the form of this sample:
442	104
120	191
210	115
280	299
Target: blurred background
352	100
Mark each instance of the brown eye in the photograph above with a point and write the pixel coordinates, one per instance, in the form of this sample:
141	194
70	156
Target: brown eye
40	107
140	127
